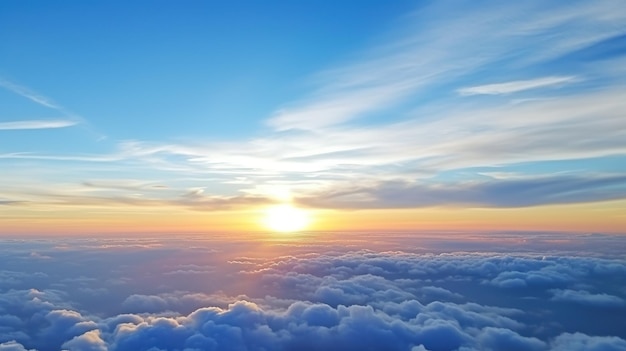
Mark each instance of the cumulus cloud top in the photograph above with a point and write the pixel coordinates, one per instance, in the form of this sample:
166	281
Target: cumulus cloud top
587	298
307	298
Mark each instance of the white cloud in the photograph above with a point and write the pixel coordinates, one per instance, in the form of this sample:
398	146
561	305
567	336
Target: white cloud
70	118
90	341
29	94
583	342
12	346
586	298
434	50
517	86
37	124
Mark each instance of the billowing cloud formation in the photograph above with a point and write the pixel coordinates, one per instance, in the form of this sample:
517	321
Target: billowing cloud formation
581	342
12	346
587	298
90	341
315	298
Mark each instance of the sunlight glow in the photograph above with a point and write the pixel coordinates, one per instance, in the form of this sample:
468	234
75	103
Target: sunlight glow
286	218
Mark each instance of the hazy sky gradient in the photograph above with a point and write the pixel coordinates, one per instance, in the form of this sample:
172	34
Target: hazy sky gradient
433	114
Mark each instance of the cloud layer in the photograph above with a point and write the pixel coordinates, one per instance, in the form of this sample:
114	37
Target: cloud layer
124	297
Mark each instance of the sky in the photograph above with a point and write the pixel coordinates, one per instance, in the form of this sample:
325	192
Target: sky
196	116
312	175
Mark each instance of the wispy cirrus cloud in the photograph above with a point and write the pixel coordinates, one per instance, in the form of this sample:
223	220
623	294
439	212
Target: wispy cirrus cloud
437	52
29	94
397	114
87	195
37	124
69	119
405	152
542	130
517	86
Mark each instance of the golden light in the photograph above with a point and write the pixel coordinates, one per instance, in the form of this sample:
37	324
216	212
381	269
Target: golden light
286	218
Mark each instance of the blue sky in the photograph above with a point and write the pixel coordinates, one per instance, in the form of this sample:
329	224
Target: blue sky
339	105
215	66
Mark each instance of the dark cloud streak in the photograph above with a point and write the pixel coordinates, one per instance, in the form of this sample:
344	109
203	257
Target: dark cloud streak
480	193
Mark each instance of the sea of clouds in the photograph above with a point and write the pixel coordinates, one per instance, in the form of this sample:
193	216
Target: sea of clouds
329	291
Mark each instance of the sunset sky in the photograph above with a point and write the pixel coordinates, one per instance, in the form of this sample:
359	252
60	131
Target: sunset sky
152	116
312	175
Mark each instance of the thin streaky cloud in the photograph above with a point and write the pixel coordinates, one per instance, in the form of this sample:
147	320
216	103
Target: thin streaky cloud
29	94
72	158
9	202
496	193
80	195
70	117
37	124
517	86
421	59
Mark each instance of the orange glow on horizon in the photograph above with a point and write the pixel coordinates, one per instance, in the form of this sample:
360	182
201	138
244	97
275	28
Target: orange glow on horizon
606	217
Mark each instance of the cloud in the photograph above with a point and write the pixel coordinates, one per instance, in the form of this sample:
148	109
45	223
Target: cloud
505	339
88	194
303	297
303	326
12	346
491	193
412	155
544	276
11	278
586	298
29	94
434	51
178	301
9	202
336	110
69	118
40	318
517	86
89	341
64	325
37	124
582	342
434	291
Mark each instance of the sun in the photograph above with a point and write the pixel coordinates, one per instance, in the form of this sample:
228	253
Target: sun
286	218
